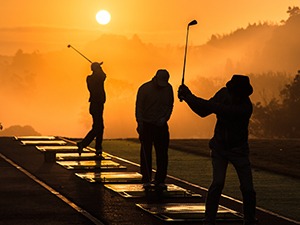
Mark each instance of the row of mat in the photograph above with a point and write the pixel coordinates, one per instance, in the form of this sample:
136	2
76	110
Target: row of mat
117	178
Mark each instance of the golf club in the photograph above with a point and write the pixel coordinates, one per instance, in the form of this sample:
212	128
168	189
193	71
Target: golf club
193	22
147	167
70	46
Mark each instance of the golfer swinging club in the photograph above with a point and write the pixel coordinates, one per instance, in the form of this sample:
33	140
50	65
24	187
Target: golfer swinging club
233	109
95	85
154	105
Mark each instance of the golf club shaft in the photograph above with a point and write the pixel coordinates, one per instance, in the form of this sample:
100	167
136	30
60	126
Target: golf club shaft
185	53
70	46
147	167
193	22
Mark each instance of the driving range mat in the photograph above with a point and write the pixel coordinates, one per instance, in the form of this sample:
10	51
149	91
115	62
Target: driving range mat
43	142
187	212
137	191
111	177
60	149
34	138
91	164
84	156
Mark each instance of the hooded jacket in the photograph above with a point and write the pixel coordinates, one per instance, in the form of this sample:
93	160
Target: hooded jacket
231	129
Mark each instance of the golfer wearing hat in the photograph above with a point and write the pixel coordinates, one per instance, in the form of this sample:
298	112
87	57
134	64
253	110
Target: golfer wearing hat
233	109
154	105
95	85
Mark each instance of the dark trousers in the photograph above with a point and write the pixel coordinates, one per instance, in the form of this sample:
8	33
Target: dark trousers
96	110
159	137
242	166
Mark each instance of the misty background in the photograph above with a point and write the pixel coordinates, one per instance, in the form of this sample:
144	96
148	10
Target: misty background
45	91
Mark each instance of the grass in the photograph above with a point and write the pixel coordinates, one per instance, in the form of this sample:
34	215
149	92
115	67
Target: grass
279	156
277	190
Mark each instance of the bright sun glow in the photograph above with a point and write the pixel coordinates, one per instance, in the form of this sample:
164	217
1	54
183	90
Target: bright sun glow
103	17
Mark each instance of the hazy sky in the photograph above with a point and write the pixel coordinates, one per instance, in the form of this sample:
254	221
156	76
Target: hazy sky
36	26
160	22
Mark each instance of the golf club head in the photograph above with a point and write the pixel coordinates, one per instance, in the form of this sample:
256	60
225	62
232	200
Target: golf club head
193	22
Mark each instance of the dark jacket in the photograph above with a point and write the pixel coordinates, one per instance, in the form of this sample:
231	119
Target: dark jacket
95	84
154	104
233	115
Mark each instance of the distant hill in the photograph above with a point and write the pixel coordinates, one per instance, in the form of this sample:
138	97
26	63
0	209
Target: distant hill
18	130
258	48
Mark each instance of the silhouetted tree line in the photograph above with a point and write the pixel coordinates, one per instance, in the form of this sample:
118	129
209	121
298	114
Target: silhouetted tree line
279	118
292	11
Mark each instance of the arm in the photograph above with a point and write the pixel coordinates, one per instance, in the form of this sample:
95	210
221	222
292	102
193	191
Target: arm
221	104
102	75
139	109
231	110
170	104
139	112
198	105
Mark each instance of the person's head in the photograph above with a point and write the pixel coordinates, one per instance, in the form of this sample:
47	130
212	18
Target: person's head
239	86
162	77
95	67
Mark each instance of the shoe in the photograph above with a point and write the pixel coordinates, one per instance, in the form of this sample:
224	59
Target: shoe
99	154
147	186
80	148
161	187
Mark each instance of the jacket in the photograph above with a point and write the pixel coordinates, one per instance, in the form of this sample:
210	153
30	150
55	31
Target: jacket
154	104
95	84
231	129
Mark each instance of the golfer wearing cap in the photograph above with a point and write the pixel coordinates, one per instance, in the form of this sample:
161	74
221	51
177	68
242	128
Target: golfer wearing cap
233	109
95	85
154	105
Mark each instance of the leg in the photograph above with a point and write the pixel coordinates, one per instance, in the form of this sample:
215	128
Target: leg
100	129
243	168
96	110
161	144
93	132
219	165
146	153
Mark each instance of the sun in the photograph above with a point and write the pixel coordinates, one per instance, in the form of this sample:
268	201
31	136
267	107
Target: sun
103	17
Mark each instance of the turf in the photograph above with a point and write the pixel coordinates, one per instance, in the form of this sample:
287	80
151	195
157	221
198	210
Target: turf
277	190
279	156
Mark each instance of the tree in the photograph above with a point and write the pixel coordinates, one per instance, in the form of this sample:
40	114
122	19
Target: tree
291	110
293	11
279	119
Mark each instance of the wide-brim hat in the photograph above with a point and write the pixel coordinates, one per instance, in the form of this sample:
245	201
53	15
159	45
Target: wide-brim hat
240	85
162	77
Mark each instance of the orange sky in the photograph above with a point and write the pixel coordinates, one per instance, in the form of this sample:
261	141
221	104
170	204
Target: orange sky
159	22
73	22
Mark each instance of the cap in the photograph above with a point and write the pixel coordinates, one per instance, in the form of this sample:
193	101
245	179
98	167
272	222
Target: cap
162	77
95	66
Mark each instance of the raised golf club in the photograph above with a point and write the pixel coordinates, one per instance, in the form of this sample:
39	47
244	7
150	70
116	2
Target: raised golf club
70	46
193	22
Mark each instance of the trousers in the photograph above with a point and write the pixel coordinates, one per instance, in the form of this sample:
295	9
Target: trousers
96	110
242	166
159	137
